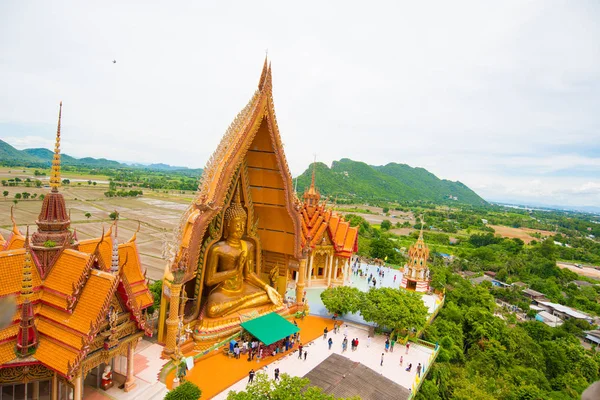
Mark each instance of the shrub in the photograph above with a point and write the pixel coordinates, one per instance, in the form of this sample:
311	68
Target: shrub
185	391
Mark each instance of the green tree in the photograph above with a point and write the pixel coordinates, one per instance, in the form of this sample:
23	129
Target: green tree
342	299
185	391
4	182
5	194
66	181
18	196
94	183
89	182
87	215
26	195
394	308
386	225
386	210
156	290
113	215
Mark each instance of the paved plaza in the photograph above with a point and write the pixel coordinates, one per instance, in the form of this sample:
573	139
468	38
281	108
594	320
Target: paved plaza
367	354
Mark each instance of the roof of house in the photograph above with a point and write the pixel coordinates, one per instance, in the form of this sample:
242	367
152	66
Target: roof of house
565	310
582	283
533	293
549	317
480	279
342	377
520	284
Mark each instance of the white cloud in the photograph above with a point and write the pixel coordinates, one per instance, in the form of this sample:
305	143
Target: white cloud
473	91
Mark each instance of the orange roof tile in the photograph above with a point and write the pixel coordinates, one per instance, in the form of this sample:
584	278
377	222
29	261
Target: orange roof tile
68	269
55	300
105	248
11	271
9	331
54	355
7	352
55	331
15	242
89	305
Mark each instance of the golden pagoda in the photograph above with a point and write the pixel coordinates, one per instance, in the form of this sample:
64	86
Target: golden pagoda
240	237
65	290
331	240
416	272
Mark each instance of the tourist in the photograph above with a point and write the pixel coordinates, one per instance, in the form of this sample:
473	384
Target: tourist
300	350
251	376
356	344
369	341
305	354
325	333
260	355
407	347
381	363
276	374
392	343
387	345
409	367
419	370
346	330
236	351
344	344
394	278
401	360
330	342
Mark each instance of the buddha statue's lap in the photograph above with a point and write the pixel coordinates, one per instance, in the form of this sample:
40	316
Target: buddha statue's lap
230	270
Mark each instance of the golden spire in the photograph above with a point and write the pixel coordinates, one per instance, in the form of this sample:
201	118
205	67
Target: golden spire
27	282
55	173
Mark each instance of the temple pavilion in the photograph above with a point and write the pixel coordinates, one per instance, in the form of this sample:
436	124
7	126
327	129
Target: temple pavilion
416	271
80	305
331	239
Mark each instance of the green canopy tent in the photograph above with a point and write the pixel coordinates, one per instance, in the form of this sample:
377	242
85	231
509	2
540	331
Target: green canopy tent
270	328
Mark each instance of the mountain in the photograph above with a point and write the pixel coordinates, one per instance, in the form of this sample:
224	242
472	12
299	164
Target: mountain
42	158
391	182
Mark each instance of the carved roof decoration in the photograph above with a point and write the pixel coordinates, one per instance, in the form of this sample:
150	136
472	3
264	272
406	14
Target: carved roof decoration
221	168
63	288
418	253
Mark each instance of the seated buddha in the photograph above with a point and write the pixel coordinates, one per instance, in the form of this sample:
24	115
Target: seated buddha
230	269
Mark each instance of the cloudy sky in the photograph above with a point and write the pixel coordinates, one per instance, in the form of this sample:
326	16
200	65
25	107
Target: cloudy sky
501	95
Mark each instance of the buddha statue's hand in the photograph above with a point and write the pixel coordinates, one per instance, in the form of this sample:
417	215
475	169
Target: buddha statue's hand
274	296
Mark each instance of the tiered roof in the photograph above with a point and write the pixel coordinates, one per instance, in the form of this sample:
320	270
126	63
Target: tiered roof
319	222
418	253
67	286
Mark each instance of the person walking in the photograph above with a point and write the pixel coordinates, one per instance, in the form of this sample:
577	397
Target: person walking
419	370
300	351
251	376
387	345
394	278
401	360
407	347
409	367
344	344
381	363
369	341
325	333
392	343
305	354
236	351
356	344
276	374
330	343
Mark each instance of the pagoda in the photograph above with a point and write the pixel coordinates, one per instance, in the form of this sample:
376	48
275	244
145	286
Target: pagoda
65	290
247	179
331	240
416	271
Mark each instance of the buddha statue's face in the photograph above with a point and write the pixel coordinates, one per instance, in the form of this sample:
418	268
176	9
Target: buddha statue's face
235	228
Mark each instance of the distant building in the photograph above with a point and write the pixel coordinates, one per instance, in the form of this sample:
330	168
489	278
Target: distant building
593	337
564	312
534	295
581	284
548	319
520	285
484	221
416	272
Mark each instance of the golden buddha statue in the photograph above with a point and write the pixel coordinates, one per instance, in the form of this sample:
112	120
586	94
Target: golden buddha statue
230	269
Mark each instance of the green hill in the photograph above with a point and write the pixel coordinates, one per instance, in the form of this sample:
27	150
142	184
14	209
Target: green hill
392	182
42	158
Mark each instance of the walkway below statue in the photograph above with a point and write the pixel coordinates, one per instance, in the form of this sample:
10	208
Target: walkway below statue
368	355
215	373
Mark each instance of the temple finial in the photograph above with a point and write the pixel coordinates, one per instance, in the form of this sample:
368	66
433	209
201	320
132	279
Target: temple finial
263	75
15	229
114	266
55	172
27	335
27	281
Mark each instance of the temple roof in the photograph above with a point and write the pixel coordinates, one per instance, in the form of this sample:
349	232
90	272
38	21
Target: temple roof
418	253
70	300
252	145
318	222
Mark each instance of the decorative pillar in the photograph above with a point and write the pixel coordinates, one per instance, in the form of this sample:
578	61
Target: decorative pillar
54	394
130	380
77	395
36	390
300	285
173	320
329	270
